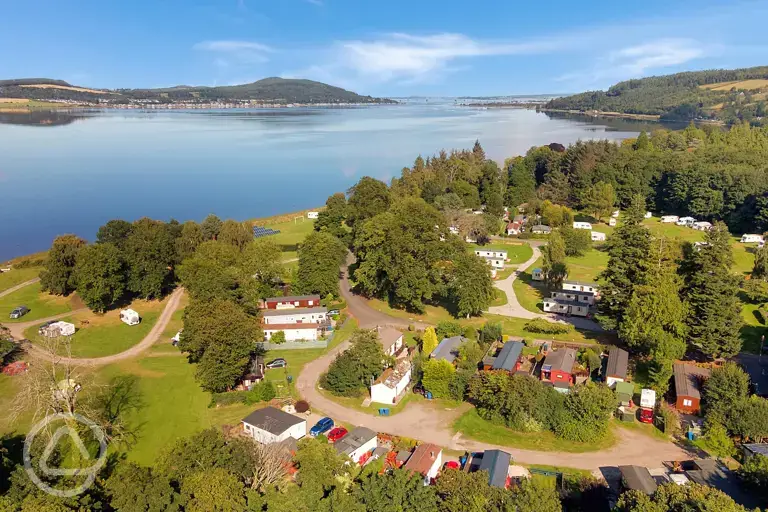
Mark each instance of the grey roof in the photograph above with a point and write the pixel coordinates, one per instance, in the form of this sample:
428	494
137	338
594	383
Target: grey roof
688	380
380	451
290	298
618	360
508	356
403	456
540	227
388	336
573	292
561	360
448	348
294	311
566	302
711	473
272	420
580	283
354	440
756	448
638	478
496	462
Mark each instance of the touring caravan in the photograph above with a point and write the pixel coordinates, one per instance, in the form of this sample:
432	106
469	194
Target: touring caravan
597	236
129	317
669	219
751	239
685	221
582	225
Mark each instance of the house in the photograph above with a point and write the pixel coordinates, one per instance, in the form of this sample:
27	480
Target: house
255	373
491	254
538	274
313	215
293	332
426	461
612	222
496	463
541	229
295	316
558	366
391	383
597	236
130	317
582	225
574	295
616	368
688	381
751	239
509	357
702	226
391	340
56	329
298	301
271	425
495	263
581	286
520	219
637	478
448	348
685	221
514	228
357	443
566	307
669	219
751	449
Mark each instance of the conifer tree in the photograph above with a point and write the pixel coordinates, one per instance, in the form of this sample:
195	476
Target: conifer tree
428	340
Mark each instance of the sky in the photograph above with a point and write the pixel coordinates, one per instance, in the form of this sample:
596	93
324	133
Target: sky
394	48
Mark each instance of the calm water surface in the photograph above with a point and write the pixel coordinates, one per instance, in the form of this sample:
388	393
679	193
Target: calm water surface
70	173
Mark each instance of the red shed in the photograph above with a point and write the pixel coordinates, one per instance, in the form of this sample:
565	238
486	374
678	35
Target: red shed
297	301
558	366
688	382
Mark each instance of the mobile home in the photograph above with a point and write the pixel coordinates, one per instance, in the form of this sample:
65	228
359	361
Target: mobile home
582	225
751	239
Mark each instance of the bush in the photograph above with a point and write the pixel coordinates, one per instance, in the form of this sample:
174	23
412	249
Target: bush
228	398
437	378
261	392
671	419
278	338
541	326
448	330
577	241
29	262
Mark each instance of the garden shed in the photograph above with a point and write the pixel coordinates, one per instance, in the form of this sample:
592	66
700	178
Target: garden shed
624	392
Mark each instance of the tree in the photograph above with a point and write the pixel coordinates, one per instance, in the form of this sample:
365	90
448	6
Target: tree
718	442
472	288
149	253
261	260
628	250
99	275
522	182
210	227
600	199
57	276
712	291
760	268
535	496
368	198
235	233
642	142
398	490
132	488
491	331
319	466
438	374
473	227
213	490
188	241
678	498
320	256
587	412
577	241
212	272
428	341
554	266
727	385
448	329
754	473
494	204
115	232
748	418
331	219
459	491
355	368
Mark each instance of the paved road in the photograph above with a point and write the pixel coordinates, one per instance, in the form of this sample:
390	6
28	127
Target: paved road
428	422
17	330
18	287
513	307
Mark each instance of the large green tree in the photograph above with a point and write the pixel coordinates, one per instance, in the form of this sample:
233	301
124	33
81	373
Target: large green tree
600	200
212	272
189	239
58	275
678	498
133	488
235	233
367	198
116	232
213	490
149	253
320	257
471	286
210	227
353	370
726	386
100	275
398	490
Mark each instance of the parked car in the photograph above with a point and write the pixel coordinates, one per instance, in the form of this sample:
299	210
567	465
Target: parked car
19	312
333	312
321	427
277	363
336	434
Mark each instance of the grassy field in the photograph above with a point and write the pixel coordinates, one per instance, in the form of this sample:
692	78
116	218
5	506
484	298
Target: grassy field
25	104
517	252
500	299
587	267
292	233
41	305
17	276
529	293
753	328
747	85
106	334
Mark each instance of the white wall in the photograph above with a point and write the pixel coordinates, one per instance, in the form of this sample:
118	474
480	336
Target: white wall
294	334
367	447
385	395
491	254
294	318
436	466
578	287
611	381
262	436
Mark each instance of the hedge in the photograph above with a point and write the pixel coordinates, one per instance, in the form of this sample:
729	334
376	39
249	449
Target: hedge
539	325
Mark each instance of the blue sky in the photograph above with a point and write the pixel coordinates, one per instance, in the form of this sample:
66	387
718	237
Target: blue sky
393	48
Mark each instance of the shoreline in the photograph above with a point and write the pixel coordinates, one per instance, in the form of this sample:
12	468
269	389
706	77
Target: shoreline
20	108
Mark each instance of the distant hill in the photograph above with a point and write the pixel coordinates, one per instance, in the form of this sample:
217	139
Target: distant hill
728	95
277	91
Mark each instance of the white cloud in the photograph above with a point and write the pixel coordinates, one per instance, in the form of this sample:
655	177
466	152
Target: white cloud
637	60
242	51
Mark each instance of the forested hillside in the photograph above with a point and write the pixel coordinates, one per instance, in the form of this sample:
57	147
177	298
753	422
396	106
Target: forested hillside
682	96
269	90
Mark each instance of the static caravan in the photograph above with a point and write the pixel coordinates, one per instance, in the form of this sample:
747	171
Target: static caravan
702	226
491	254
615	215
685	221
566	307
573	295
751	239
597	236
582	225
579	286
612	222
669	219
538	274
313	215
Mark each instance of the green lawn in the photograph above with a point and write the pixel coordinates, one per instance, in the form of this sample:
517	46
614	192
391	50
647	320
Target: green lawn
500	299
41	305
587	267
291	234
471	425
530	293
753	328
517	252
103	340
17	276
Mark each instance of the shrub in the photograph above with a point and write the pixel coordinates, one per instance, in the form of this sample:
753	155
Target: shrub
541	326
438	374
671	419
261	392
278	338
448	329
29	262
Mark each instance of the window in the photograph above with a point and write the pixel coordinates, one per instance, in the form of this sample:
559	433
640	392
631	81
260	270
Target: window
296	303
687	403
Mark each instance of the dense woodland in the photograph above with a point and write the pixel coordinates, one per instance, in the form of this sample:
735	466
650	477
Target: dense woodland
268	90
676	97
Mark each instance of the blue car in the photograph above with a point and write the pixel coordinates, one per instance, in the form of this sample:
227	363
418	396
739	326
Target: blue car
321	427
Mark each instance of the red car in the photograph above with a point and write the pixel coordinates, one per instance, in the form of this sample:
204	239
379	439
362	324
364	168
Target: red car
336	434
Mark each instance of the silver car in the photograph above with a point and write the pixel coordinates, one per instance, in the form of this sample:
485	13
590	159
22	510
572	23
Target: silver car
19	312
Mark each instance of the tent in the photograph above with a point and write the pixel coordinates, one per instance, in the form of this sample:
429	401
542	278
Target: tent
130	317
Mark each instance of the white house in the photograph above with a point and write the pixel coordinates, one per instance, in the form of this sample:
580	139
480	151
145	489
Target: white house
295	316
357	443
685	221
648	215
751	239
616	366
579	286
612	221
514	228
391	340
565	307
391	383
597	236
271	425
488	254
538	274
293	332
582	225
702	225
426	461
130	317
313	215
669	219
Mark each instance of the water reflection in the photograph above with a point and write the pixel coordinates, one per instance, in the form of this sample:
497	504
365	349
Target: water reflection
42	117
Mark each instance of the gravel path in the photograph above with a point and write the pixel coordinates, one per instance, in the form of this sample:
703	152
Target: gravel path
18	287
513	307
